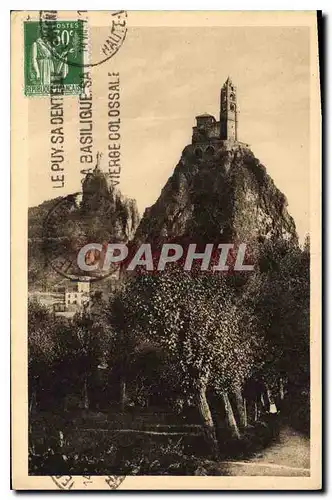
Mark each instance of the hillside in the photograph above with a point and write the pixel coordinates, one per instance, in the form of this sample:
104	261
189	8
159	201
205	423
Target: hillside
221	195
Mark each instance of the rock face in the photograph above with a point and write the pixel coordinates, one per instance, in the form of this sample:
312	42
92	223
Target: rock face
118	215
60	227
218	193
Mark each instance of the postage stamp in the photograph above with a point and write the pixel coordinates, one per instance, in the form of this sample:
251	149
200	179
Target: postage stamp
46	59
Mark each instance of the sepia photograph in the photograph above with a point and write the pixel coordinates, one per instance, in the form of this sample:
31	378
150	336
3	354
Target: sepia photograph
166	326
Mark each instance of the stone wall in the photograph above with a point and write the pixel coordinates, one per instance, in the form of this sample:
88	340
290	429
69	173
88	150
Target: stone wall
212	132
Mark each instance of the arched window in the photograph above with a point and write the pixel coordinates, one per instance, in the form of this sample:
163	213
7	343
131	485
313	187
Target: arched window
232	96
210	150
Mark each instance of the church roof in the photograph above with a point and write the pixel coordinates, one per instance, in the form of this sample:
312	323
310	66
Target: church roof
205	115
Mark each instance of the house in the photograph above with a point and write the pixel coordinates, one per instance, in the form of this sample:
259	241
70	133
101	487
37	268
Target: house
77	295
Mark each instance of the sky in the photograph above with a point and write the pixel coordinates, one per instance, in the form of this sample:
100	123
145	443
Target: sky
168	75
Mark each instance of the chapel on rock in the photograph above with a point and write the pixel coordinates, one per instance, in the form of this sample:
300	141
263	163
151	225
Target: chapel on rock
209	132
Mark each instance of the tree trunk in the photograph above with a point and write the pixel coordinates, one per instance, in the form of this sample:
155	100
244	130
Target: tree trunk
33	399
256	411
208	425
240	407
272	405
32	403
269	396
245	412
263	402
281	389
230	416
123	395
85	393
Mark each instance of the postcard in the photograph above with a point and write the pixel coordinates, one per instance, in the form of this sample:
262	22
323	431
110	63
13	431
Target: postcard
166	247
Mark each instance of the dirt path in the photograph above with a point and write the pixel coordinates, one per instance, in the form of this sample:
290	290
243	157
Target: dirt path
288	456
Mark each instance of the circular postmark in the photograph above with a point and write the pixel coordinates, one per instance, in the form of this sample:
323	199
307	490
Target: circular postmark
68	483
82	38
81	224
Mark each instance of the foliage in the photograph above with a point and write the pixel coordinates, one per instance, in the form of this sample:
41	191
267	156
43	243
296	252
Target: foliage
41	345
196	319
63	355
280	297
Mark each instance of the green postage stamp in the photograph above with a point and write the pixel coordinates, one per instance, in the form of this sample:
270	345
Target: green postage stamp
46	65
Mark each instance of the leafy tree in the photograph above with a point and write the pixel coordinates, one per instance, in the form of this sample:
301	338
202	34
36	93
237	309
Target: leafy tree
196	319
41	349
83	349
280	297
64	355
124	338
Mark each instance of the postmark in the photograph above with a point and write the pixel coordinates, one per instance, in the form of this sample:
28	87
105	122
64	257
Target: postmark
46	61
68	483
98	43
74	221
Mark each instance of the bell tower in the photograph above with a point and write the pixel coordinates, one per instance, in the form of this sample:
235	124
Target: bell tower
228	111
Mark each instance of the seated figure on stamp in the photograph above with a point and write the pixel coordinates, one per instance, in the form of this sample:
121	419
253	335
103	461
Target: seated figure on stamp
47	63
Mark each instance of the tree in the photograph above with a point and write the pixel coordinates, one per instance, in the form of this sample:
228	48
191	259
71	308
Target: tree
42	351
196	320
279	294
64	354
124	338
84	348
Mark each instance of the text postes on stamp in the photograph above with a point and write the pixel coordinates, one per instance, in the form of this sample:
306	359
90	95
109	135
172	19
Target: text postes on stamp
46	61
98	43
